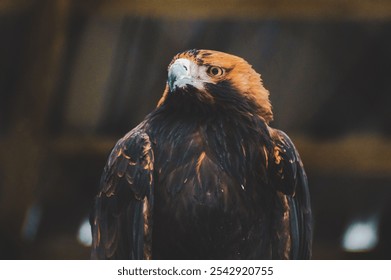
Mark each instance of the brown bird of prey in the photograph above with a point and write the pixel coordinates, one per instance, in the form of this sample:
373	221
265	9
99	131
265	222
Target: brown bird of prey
204	176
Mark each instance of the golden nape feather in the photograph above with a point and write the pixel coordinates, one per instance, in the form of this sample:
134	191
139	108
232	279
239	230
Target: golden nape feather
204	176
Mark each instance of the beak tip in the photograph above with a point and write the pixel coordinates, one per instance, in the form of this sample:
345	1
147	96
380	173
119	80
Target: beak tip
177	70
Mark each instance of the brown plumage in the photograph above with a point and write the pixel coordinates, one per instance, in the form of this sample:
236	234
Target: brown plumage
204	176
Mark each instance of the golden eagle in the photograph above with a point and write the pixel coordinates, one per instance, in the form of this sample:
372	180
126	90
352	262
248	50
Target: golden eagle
204	176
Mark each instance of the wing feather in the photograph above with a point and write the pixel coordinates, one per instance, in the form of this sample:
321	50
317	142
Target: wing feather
292	217
121	221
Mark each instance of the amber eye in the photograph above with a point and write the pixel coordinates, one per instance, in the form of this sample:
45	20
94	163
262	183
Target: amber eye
215	71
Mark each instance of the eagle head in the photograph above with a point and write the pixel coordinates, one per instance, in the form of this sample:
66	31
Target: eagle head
216	80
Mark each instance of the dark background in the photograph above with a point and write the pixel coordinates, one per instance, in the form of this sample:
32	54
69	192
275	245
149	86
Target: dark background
77	75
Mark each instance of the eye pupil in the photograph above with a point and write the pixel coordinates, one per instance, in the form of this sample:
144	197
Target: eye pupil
215	71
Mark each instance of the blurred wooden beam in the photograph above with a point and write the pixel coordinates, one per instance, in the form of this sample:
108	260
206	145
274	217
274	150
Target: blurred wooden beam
15	6
218	9
247	9
74	146
360	155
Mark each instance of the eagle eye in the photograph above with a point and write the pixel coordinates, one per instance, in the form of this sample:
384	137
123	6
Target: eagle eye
215	71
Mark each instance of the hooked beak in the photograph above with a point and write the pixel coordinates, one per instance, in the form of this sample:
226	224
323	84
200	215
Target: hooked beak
185	76
179	74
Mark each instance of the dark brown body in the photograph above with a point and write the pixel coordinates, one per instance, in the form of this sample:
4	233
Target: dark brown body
212	201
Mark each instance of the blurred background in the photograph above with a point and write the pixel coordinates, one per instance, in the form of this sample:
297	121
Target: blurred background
77	75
